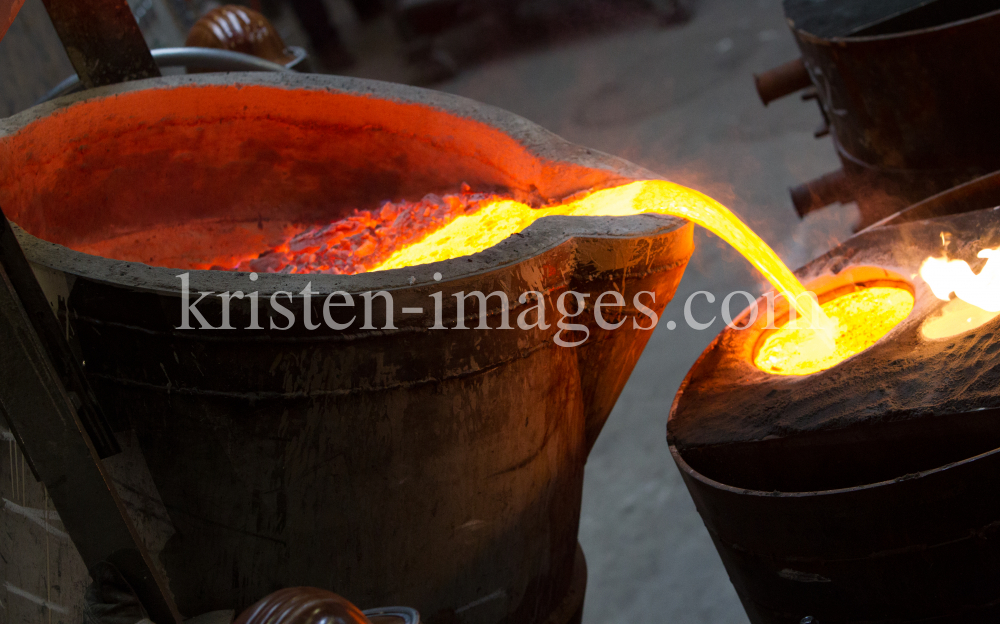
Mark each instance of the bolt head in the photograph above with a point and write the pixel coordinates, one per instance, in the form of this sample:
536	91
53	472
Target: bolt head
808	620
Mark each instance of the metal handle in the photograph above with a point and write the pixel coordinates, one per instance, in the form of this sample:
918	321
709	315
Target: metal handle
208	59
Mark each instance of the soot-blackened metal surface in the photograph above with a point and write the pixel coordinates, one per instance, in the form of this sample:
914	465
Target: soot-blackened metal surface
920	549
438	469
859	493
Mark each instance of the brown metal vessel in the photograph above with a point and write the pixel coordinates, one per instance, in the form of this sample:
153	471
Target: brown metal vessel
435	469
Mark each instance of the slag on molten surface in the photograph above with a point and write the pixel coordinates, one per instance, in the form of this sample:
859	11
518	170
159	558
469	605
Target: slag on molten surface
365	239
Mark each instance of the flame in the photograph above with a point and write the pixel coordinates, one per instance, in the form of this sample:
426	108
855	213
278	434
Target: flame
955	276
977	299
862	317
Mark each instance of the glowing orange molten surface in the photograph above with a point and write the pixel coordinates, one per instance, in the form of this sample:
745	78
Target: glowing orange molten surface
862	317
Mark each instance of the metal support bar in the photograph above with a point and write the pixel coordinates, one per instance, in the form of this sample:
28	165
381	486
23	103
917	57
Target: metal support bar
44	420
782	80
63	360
829	189
102	40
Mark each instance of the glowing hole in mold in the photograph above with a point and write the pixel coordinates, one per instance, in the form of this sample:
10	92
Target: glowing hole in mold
861	316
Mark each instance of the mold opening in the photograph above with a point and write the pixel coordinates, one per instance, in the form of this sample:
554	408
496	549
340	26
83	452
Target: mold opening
863	312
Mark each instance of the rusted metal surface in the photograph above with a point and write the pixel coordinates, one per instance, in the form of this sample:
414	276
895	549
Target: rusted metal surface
781	81
823	191
905	88
859	493
440	470
44	421
102	40
844	18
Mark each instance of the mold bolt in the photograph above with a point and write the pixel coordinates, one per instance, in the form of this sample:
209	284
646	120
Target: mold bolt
808	620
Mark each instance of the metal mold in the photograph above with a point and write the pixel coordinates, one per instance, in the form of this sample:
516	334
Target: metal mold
859	493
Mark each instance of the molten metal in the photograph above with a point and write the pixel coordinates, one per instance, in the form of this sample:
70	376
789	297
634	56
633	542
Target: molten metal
459	225
954	318
364	240
862	317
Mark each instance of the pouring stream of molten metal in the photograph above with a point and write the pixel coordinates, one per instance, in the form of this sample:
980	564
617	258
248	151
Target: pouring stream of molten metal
468	234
